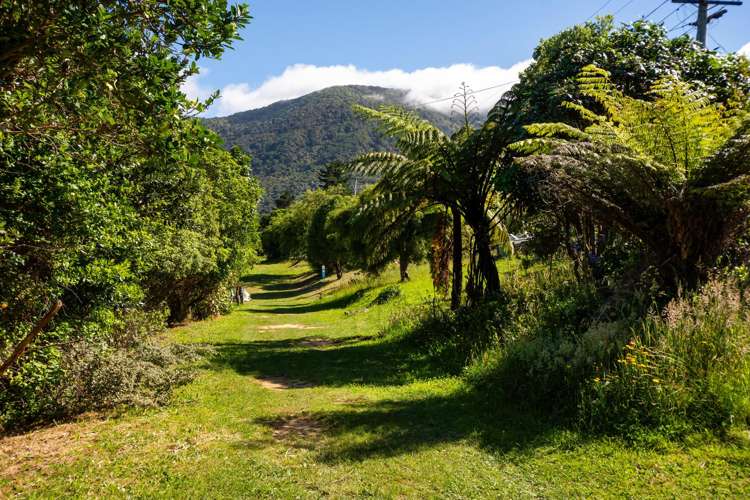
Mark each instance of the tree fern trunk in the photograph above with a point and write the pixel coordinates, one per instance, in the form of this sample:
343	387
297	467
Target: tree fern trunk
484	280
403	265
457	284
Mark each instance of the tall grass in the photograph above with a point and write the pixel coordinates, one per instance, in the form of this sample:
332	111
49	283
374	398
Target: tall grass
685	370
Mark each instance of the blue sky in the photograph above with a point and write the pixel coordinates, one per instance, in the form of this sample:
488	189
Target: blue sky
293	47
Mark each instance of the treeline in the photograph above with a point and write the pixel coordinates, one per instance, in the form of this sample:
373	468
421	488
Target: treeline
333	228
114	200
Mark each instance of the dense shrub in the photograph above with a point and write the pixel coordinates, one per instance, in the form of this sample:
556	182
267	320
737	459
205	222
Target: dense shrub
128	366
533	330
557	346
114	198
551	340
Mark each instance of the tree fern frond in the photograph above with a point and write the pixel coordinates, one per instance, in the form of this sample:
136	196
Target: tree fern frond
584	112
397	122
558	130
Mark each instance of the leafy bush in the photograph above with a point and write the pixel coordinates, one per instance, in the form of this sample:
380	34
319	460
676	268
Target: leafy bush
215	302
519	344
114	198
686	370
556	346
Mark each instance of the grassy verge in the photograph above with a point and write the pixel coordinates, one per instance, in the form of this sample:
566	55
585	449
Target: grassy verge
305	399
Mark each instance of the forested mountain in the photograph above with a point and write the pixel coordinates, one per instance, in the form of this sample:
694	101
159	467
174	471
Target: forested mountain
291	140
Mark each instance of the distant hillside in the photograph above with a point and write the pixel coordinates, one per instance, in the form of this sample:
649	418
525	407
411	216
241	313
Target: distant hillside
291	140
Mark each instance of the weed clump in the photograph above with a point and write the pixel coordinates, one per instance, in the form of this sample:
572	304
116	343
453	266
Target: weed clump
682	371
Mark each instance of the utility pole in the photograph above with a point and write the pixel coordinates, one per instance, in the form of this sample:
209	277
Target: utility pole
704	18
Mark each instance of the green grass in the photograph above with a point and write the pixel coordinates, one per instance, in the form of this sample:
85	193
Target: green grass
373	418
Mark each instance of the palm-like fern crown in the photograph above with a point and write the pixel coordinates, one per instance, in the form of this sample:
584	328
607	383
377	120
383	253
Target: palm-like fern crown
673	171
675	132
406	174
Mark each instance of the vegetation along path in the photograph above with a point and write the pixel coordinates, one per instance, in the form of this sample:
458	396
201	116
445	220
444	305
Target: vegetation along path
306	398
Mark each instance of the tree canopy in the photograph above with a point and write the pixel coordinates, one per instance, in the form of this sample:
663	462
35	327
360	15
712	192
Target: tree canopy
113	197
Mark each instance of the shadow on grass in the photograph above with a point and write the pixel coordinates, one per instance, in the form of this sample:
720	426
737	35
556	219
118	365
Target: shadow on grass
353	360
314	306
300	281
361	429
395	427
262	279
289	290
288	293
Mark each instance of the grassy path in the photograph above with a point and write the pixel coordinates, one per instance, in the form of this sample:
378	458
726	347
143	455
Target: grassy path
303	399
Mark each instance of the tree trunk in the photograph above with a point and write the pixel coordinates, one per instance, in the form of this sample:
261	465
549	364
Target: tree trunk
457	284
403	266
36	330
487	267
179	309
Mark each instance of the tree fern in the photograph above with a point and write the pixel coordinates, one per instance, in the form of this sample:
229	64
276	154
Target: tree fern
671	170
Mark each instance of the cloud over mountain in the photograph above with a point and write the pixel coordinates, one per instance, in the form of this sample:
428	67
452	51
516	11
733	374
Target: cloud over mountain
423	85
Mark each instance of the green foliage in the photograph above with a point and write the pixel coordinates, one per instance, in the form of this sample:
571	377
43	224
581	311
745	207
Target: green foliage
284	200
535	348
670	171
285	236
637	56
458	172
558	347
128	367
112	197
381	231
326	245
344	232
334	174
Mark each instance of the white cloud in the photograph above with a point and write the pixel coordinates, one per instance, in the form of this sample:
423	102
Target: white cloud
194	89
745	50
423	85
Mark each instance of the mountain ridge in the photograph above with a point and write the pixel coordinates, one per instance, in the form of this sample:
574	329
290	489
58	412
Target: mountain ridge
291	140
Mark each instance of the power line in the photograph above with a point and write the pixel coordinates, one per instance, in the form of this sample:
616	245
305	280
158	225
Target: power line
674	11
599	9
720	46
690	29
681	23
655	9
623	7
422	104
718	43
